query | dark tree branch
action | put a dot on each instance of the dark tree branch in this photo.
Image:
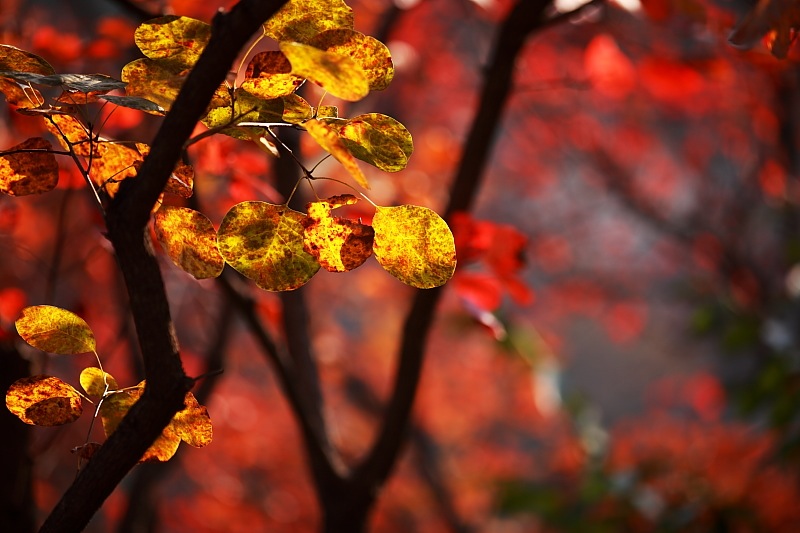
(126, 221)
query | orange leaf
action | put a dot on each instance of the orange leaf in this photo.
(44, 401)
(338, 244)
(24, 173)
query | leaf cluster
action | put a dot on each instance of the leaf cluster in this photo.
(48, 401)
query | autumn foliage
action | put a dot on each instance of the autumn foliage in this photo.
(591, 210)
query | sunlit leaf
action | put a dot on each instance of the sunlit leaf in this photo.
(338, 74)
(14, 59)
(192, 424)
(269, 75)
(265, 243)
(369, 53)
(251, 108)
(156, 81)
(329, 140)
(24, 97)
(190, 240)
(96, 382)
(44, 401)
(378, 140)
(415, 245)
(74, 98)
(180, 40)
(338, 244)
(135, 102)
(55, 330)
(327, 111)
(24, 173)
(301, 20)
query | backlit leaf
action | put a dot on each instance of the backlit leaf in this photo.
(378, 140)
(14, 59)
(135, 102)
(301, 20)
(368, 52)
(338, 244)
(269, 75)
(94, 381)
(338, 74)
(265, 243)
(190, 240)
(192, 424)
(329, 140)
(44, 401)
(26, 173)
(251, 108)
(414, 245)
(180, 40)
(152, 80)
(55, 330)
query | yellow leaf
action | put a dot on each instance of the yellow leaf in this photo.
(329, 140)
(96, 382)
(251, 108)
(301, 20)
(55, 330)
(192, 424)
(26, 173)
(415, 245)
(378, 140)
(369, 53)
(336, 73)
(338, 244)
(180, 40)
(190, 240)
(43, 401)
(265, 243)
(269, 75)
(156, 81)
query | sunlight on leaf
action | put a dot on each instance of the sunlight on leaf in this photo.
(265, 243)
(338, 74)
(93, 380)
(25, 173)
(180, 40)
(269, 75)
(55, 330)
(192, 424)
(338, 244)
(378, 140)
(251, 108)
(44, 401)
(155, 81)
(415, 245)
(301, 20)
(330, 141)
(369, 53)
(26, 97)
(14, 59)
(190, 240)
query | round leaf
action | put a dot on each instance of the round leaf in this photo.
(25, 173)
(180, 40)
(338, 244)
(96, 382)
(265, 243)
(329, 140)
(55, 330)
(415, 245)
(12, 58)
(158, 82)
(301, 20)
(338, 74)
(369, 53)
(269, 75)
(190, 240)
(44, 401)
(373, 145)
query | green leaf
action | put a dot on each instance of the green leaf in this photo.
(415, 245)
(156, 81)
(135, 102)
(265, 243)
(338, 74)
(44, 401)
(329, 140)
(55, 330)
(269, 75)
(96, 382)
(13, 58)
(301, 20)
(190, 240)
(369, 53)
(25, 173)
(378, 140)
(338, 244)
(178, 40)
